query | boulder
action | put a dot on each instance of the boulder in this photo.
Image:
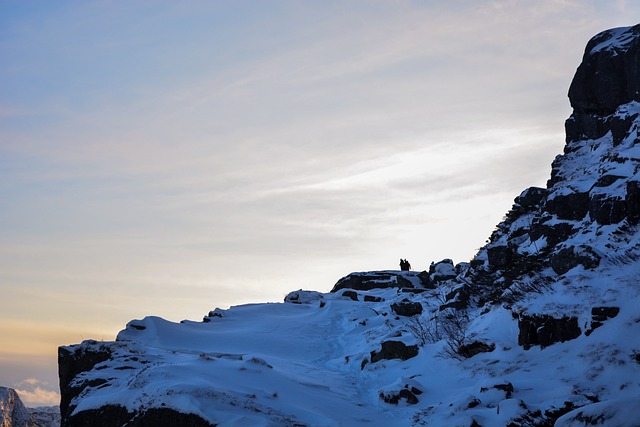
(407, 308)
(442, 270)
(372, 280)
(531, 198)
(475, 347)
(569, 257)
(544, 330)
(297, 297)
(394, 350)
(425, 279)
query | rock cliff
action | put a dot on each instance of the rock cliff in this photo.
(541, 328)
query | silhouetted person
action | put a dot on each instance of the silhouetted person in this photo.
(404, 265)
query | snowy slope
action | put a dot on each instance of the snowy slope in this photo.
(541, 328)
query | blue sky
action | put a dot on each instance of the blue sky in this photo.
(165, 158)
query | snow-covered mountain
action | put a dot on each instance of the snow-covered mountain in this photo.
(13, 413)
(541, 328)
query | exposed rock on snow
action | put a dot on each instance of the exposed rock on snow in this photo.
(546, 330)
(495, 342)
(407, 308)
(394, 350)
(365, 281)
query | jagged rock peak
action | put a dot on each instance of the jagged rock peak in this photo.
(609, 74)
(13, 413)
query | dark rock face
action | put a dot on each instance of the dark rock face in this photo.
(71, 362)
(584, 126)
(609, 74)
(372, 280)
(572, 207)
(112, 415)
(568, 258)
(605, 209)
(599, 315)
(394, 350)
(632, 200)
(554, 234)
(407, 308)
(545, 330)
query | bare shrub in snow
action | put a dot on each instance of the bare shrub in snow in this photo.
(449, 325)
(424, 330)
(453, 326)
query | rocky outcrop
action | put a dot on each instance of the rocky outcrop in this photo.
(609, 75)
(544, 330)
(75, 361)
(111, 415)
(72, 361)
(13, 413)
(377, 279)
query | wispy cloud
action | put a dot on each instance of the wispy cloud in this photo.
(35, 393)
(229, 153)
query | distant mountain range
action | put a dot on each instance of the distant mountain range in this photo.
(13, 413)
(541, 328)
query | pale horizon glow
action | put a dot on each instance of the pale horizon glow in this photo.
(163, 158)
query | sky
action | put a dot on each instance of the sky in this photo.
(167, 158)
